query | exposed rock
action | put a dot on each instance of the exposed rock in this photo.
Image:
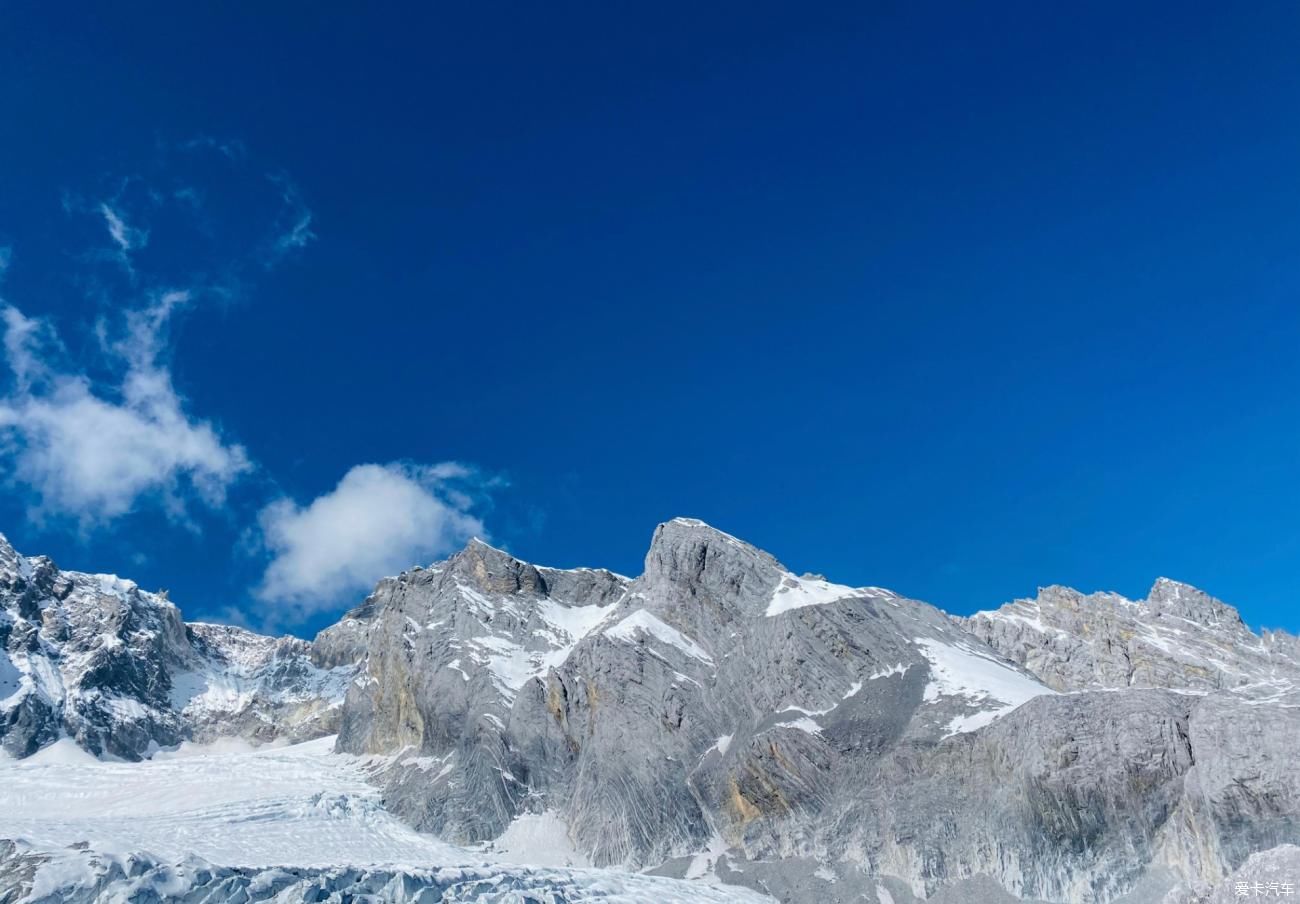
(1178, 637)
(445, 651)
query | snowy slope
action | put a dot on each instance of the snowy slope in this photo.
(961, 670)
(299, 805)
(296, 806)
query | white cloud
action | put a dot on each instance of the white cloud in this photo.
(126, 238)
(92, 453)
(379, 520)
(24, 337)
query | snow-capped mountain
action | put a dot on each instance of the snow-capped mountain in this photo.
(94, 658)
(717, 721)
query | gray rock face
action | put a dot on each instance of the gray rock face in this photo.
(724, 696)
(445, 652)
(1243, 793)
(97, 659)
(719, 715)
(1178, 637)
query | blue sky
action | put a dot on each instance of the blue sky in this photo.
(956, 301)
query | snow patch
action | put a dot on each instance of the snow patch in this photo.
(854, 688)
(796, 593)
(537, 839)
(63, 752)
(958, 671)
(642, 622)
(112, 585)
(703, 866)
(575, 622)
(10, 681)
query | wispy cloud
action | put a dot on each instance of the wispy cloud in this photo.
(231, 148)
(126, 238)
(295, 221)
(379, 520)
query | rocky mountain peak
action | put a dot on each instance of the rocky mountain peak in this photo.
(15, 578)
(701, 560)
(491, 570)
(1059, 598)
(1185, 601)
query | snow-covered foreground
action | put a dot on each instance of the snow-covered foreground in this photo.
(300, 806)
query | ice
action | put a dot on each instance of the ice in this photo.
(105, 878)
(296, 807)
(297, 804)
